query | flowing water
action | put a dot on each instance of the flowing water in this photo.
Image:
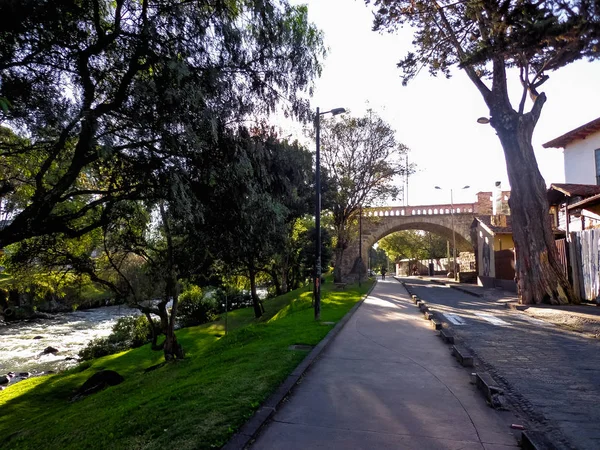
(22, 344)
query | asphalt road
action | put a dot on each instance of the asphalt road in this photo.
(552, 375)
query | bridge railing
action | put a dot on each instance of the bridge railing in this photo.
(425, 210)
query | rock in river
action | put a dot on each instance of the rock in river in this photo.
(50, 350)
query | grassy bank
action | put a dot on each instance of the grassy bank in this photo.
(195, 403)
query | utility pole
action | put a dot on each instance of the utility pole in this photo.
(431, 270)
(448, 253)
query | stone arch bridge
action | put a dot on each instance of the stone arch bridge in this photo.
(379, 222)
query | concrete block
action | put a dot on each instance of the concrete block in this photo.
(415, 299)
(446, 336)
(423, 307)
(536, 440)
(462, 355)
(486, 384)
(428, 315)
(437, 325)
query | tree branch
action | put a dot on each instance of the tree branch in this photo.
(447, 29)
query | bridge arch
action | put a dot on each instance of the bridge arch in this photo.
(380, 223)
(463, 243)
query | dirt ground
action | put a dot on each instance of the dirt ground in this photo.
(582, 318)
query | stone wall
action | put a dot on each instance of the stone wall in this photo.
(466, 262)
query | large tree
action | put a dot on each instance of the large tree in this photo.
(255, 201)
(109, 92)
(360, 157)
(488, 40)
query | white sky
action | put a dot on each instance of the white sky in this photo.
(436, 117)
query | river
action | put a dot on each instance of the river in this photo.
(20, 351)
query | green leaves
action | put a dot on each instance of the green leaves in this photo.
(4, 104)
(542, 36)
(411, 244)
(129, 103)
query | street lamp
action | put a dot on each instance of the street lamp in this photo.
(317, 286)
(360, 261)
(454, 271)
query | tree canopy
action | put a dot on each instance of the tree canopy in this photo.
(360, 158)
(535, 37)
(126, 155)
(108, 96)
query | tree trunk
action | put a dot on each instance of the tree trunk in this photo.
(255, 300)
(341, 246)
(284, 277)
(274, 277)
(155, 333)
(337, 270)
(540, 276)
(172, 349)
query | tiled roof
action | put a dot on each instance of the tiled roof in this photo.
(576, 190)
(578, 133)
(587, 202)
(487, 221)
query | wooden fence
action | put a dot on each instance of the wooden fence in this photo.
(561, 246)
(584, 256)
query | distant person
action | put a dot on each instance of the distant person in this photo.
(415, 270)
(383, 271)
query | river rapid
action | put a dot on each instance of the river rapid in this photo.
(22, 344)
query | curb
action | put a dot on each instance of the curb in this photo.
(453, 286)
(534, 440)
(515, 306)
(250, 429)
(466, 291)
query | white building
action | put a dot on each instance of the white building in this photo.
(581, 153)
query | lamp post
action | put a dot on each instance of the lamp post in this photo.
(454, 271)
(317, 286)
(360, 263)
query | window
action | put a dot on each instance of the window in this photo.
(597, 155)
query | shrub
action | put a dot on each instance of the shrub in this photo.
(197, 307)
(236, 299)
(133, 330)
(97, 348)
(128, 332)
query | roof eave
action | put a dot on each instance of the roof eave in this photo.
(578, 133)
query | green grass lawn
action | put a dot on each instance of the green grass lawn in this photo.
(198, 402)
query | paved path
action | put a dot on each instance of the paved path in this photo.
(387, 381)
(552, 374)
